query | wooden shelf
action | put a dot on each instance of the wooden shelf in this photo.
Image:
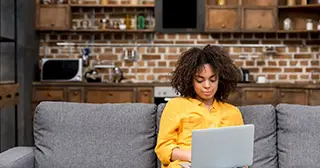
(116, 30)
(112, 6)
(316, 6)
(9, 95)
(298, 31)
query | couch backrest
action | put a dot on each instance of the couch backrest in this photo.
(95, 135)
(264, 119)
(298, 135)
(265, 138)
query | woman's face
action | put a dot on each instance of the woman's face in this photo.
(205, 83)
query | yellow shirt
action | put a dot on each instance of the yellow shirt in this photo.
(181, 116)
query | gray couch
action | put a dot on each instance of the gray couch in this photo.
(72, 135)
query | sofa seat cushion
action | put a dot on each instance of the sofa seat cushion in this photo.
(298, 136)
(95, 135)
(265, 138)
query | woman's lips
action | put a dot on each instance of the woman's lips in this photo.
(207, 93)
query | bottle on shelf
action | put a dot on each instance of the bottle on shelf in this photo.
(128, 21)
(104, 2)
(221, 2)
(304, 2)
(141, 21)
(291, 2)
(309, 25)
(318, 26)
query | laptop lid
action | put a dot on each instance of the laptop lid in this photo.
(224, 147)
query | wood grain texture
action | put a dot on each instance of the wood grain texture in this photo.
(9, 95)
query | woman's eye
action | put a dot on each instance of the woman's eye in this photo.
(199, 81)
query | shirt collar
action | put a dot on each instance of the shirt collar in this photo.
(215, 104)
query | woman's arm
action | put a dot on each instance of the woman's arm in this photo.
(168, 133)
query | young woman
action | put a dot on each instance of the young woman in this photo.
(204, 78)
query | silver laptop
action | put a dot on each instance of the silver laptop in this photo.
(225, 147)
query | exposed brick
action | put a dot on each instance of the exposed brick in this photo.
(238, 63)
(228, 41)
(160, 36)
(162, 63)
(249, 63)
(171, 36)
(184, 42)
(282, 57)
(171, 57)
(141, 70)
(315, 63)
(302, 56)
(271, 76)
(293, 63)
(272, 63)
(293, 76)
(292, 69)
(260, 63)
(183, 36)
(271, 69)
(150, 77)
(283, 77)
(162, 70)
(150, 57)
(204, 36)
(283, 63)
(164, 77)
(151, 64)
(253, 70)
(172, 63)
(313, 70)
(161, 50)
(173, 50)
(206, 42)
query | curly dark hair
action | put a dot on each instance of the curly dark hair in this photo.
(193, 60)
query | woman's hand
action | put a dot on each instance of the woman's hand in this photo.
(179, 154)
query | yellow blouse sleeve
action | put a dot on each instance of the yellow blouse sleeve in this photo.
(237, 118)
(167, 136)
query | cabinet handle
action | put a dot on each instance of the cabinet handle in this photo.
(223, 26)
(52, 25)
(9, 96)
(110, 94)
(282, 94)
(260, 95)
(49, 95)
(145, 93)
(75, 93)
(259, 26)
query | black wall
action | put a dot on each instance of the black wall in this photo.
(16, 122)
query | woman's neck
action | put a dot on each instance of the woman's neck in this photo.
(207, 102)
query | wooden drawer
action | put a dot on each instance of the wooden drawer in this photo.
(258, 19)
(293, 96)
(145, 95)
(260, 2)
(48, 94)
(110, 95)
(314, 97)
(222, 19)
(259, 96)
(75, 94)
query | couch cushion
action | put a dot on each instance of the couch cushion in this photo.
(159, 113)
(298, 135)
(264, 119)
(95, 135)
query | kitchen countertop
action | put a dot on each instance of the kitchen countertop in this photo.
(155, 84)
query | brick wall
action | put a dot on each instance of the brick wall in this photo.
(291, 63)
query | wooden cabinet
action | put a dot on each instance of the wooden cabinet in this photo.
(314, 97)
(293, 96)
(75, 94)
(258, 19)
(222, 19)
(53, 17)
(145, 95)
(110, 95)
(253, 96)
(49, 94)
(235, 98)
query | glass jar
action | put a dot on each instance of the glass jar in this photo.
(287, 24)
(309, 25)
(318, 27)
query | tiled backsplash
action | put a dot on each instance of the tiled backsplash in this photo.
(290, 64)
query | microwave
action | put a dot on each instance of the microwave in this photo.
(61, 69)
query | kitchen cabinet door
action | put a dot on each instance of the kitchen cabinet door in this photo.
(145, 95)
(110, 95)
(53, 17)
(293, 96)
(256, 19)
(222, 19)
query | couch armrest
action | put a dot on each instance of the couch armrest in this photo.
(17, 157)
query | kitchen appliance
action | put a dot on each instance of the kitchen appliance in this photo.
(243, 75)
(172, 18)
(162, 94)
(61, 69)
(93, 76)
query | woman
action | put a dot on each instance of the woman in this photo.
(204, 78)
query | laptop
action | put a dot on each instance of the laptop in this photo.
(225, 147)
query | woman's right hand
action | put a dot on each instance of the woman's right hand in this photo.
(179, 154)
